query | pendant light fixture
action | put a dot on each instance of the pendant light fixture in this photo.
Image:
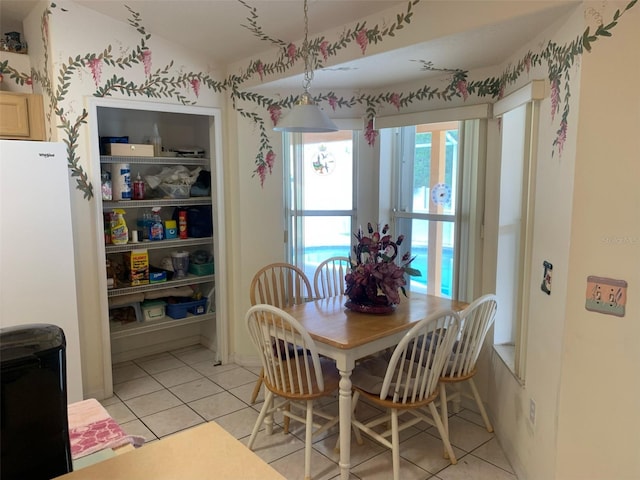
(306, 116)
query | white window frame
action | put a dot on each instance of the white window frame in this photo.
(516, 316)
(294, 213)
(469, 216)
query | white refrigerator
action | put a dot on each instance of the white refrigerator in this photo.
(37, 267)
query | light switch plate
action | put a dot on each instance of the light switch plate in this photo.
(606, 295)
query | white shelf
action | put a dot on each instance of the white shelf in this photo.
(158, 244)
(156, 202)
(188, 280)
(154, 160)
(141, 328)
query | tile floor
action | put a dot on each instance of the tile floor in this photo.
(162, 394)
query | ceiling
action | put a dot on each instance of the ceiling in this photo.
(213, 28)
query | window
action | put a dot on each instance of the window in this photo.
(320, 197)
(435, 164)
(336, 182)
(426, 198)
(519, 117)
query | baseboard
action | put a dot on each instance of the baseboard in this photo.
(144, 351)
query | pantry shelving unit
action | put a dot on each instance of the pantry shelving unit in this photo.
(178, 125)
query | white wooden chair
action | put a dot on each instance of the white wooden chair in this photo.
(328, 279)
(293, 377)
(475, 322)
(280, 285)
(407, 384)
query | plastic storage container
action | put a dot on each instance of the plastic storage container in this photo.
(201, 269)
(180, 310)
(153, 310)
(175, 191)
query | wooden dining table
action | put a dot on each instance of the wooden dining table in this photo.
(346, 336)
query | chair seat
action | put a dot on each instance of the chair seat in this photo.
(368, 375)
(330, 375)
(368, 378)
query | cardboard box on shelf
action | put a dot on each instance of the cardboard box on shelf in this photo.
(130, 149)
(137, 263)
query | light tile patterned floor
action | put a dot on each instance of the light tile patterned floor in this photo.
(160, 395)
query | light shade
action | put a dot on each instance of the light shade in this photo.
(306, 117)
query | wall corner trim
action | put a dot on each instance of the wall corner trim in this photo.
(534, 90)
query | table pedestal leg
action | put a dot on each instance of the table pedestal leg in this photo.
(345, 423)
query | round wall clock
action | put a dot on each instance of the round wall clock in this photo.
(441, 194)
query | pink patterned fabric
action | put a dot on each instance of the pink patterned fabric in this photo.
(92, 429)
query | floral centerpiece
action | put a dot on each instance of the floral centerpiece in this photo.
(375, 280)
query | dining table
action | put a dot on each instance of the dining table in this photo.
(346, 336)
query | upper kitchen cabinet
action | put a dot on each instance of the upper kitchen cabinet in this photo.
(21, 116)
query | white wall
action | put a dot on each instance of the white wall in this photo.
(531, 448)
(581, 368)
(598, 419)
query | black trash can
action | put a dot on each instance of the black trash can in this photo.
(33, 403)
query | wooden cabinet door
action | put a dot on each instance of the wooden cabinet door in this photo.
(21, 116)
(14, 115)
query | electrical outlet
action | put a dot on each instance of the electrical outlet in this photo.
(532, 411)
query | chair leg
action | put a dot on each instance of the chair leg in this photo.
(256, 389)
(354, 403)
(456, 398)
(261, 416)
(483, 412)
(395, 444)
(445, 412)
(287, 420)
(443, 434)
(307, 440)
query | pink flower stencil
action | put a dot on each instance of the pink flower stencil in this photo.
(260, 69)
(195, 85)
(291, 52)
(395, 100)
(275, 112)
(95, 64)
(324, 49)
(461, 86)
(362, 40)
(261, 171)
(333, 101)
(370, 134)
(527, 61)
(555, 97)
(146, 61)
(270, 159)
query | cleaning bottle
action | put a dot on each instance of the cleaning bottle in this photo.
(138, 188)
(119, 230)
(156, 232)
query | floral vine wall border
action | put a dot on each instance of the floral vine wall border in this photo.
(164, 83)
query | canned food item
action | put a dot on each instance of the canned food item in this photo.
(182, 223)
